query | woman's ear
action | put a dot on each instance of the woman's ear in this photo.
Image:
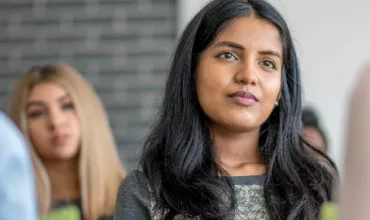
(277, 102)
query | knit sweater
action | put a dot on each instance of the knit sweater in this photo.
(135, 200)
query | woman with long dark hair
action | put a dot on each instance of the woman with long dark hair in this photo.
(227, 143)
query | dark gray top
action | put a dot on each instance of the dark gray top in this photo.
(134, 200)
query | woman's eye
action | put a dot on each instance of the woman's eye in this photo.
(68, 106)
(35, 114)
(227, 56)
(269, 64)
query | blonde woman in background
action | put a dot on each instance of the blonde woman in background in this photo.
(73, 150)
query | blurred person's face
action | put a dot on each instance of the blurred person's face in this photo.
(314, 137)
(53, 125)
(239, 75)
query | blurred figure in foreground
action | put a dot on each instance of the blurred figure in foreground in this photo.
(355, 191)
(73, 150)
(312, 129)
(17, 189)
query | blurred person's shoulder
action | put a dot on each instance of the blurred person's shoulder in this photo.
(18, 200)
(6, 125)
(10, 135)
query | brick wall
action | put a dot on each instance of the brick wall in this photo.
(121, 46)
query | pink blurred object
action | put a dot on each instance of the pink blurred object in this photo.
(355, 189)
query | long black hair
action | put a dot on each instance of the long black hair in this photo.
(178, 159)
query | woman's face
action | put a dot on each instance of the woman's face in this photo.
(53, 125)
(238, 77)
(314, 137)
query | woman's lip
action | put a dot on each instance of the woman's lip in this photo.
(245, 95)
(244, 100)
(60, 139)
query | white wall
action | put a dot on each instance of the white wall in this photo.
(186, 10)
(332, 39)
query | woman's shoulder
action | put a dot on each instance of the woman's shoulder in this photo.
(134, 179)
(106, 217)
(134, 184)
(133, 198)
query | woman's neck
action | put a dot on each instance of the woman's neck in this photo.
(64, 178)
(238, 153)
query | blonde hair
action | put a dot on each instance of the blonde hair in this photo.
(100, 168)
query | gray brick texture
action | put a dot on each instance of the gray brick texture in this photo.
(122, 47)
